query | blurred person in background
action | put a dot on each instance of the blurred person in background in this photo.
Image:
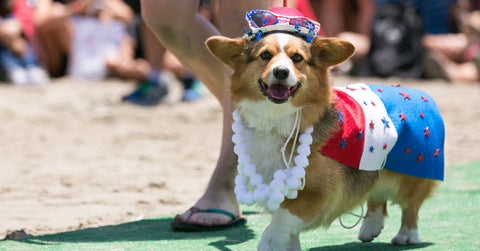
(347, 19)
(455, 57)
(70, 31)
(152, 62)
(18, 59)
(389, 35)
(95, 39)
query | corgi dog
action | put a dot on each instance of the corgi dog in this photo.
(347, 154)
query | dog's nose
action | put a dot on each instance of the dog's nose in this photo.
(280, 72)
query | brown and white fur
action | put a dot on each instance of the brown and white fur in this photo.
(331, 187)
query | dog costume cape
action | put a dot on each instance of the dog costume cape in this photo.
(397, 128)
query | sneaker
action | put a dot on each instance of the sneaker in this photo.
(147, 94)
(18, 76)
(37, 76)
(192, 90)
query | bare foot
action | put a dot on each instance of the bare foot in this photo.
(224, 200)
(128, 68)
(466, 72)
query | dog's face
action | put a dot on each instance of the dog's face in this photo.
(280, 67)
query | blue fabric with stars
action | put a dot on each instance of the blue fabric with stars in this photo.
(419, 148)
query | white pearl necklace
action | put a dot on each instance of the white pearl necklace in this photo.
(249, 185)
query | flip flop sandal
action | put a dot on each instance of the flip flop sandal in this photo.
(177, 225)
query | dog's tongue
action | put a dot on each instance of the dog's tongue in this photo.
(279, 91)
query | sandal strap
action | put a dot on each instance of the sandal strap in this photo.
(212, 210)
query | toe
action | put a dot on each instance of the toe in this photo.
(185, 217)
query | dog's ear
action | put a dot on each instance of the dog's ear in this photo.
(330, 51)
(226, 49)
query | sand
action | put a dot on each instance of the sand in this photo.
(73, 156)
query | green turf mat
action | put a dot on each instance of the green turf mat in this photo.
(449, 221)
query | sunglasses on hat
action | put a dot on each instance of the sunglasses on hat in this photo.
(258, 19)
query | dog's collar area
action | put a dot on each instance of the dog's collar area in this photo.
(278, 93)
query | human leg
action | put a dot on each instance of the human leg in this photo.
(146, 69)
(184, 35)
(438, 65)
(37, 76)
(330, 15)
(467, 72)
(15, 72)
(220, 188)
(153, 50)
(54, 37)
(231, 22)
(188, 80)
(150, 69)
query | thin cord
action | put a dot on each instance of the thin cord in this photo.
(356, 223)
(284, 147)
(296, 137)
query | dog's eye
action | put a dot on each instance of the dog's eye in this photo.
(266, 55)
(297, 58)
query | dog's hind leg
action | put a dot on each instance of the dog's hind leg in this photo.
(408, 234)
(411, 196)
(373, 223)
(282, 233)
(411, 202)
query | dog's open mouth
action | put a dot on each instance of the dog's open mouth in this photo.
(278, 93)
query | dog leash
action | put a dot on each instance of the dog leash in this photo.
(360, 217)
(295, 129)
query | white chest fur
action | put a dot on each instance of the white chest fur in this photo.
(265, 151)
(268, 117)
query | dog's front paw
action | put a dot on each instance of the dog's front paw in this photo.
(406, 237)
(371, 227)
(369, 231)
(273, 240)
(269, 245)
(274, 244)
